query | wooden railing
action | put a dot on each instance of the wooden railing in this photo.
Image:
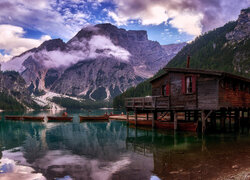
(147, 102)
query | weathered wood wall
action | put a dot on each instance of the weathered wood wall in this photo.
(178, 99)
(207, 95)
(230, 97)
(157, 85)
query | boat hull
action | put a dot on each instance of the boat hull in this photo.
(14, 118)
(30, 118)
(59, 119)
(182, 126)
(141, 122)
(93, 118)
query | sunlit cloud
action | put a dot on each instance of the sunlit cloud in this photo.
(13, 42)
(192, 17)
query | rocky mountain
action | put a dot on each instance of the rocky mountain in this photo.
(98, 63)
(226, 48)
(14, 93)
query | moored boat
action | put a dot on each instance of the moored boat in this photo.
(94, 118)
(141, 122)
(33, 118)
(183, 126)
(13, 117)
(59, 119)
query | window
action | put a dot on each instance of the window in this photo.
(165, 90)
(189, 85)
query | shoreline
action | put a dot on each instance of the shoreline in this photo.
(241, 174)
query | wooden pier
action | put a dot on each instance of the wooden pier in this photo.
(204, 97)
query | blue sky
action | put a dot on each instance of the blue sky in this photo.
(25, 24)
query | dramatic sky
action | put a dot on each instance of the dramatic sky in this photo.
(25, 24)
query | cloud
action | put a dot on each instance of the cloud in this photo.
(77, 50)
(106, 48)
(190, 16)
(13, 42)
(97, 46)
(48, 16)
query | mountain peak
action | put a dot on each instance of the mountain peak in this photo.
(242, 29)
(111, 31)
(51, 45)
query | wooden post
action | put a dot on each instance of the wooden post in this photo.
(230, 119)
(147, 116)
(171, 116)
(175, 120)
(236, 120)
(248, 119)
(195, 116)
(203, 121)
(222, 120)
(213, 120)
(135, 118)
(127, 117)
(242, 121)
(154, 119)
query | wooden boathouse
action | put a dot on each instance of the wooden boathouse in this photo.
(201, 95)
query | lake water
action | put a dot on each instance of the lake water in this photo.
(100, 151)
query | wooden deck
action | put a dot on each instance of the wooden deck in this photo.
(147, 103)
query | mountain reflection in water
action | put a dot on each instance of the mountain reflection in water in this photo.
(76, 150)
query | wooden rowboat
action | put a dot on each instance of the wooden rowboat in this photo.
(141, 122)
(33, 118)
(182, 126)
(94, 118)
(59, 119)
(188, 126)
(13, 118)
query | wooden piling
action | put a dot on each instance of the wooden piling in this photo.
(230, 120)
(236, 120)
(203, 121)
(213, 121)
(171, 116)
(136, 117)
(175, 120)
(127, 117)
(196, 116)
(222, 120)
(248, 119)
(154, 119)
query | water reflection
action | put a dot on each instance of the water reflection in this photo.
(113, 151)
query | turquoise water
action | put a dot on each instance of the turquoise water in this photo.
(111, 150)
